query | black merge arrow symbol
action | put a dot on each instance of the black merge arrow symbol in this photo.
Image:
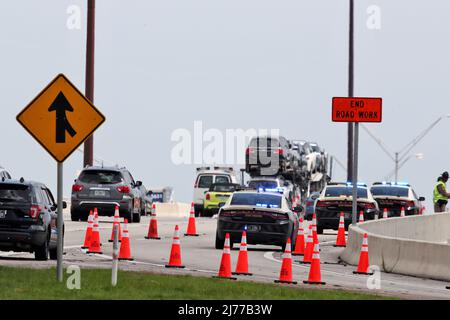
(60, 105)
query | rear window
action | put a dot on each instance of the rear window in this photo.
(345, 191)
(390, 191)
(263, 184)
(222, 179)
(223, 187)
(205, 181)
(14, 193)
(315, 148)
(264, 142)
(100, 177)
(256, 199)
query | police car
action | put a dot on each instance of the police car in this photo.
(337, 197)
(265, 214)
(394, 196)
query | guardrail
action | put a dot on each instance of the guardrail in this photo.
(412, 245)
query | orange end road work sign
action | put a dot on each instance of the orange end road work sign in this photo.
(357, 109)
(60, 118)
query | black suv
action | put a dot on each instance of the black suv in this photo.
(28, 218)
(105, 188)
(269, 155)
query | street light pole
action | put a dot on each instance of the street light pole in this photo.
(396, 167)
(350, 92)
(88, 157)
(402, 156)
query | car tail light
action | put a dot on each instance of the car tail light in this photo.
(322, 204)
(124, 189)
(35, 210)
(279, 151)
(280, 216)
(224, 213)
(366, 205)
(208, 196)
(409, 204)
(309, 203)
(77, 188)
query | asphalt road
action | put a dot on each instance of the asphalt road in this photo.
(200, 258)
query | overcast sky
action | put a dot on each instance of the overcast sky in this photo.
(263, 64)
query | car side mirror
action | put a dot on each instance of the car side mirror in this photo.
(298, 209)
(286, 184)
(422, 199)
(138, 183)
(64, 204)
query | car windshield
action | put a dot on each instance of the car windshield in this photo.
(262, 200)
(223, 187)
(345, 191)
(100, 177)
(14, 193)
(263, 184)
(390, 191)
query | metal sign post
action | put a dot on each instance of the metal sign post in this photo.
(60, 219)
(355, 174)
(355, 110)
(115, 260)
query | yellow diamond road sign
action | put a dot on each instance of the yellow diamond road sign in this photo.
(60, 118)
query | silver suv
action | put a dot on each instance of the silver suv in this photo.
(105, 188)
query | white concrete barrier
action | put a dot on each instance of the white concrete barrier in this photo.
(413, 245)
(172, 209)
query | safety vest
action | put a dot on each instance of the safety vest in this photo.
(436, 195)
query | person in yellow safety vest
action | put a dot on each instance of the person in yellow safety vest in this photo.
(440, 195)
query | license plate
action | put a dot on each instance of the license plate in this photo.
(2, 214)
(99, 193)
(253, 228)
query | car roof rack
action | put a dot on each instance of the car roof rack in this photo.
(359, 184)
(203, 168)
(391, 183)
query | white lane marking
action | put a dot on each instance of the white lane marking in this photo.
(269, 256)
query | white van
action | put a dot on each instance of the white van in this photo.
(206, 176)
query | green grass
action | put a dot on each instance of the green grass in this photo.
(21, 283)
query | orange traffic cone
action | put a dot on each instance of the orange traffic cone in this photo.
(88, 235)
(94, 246)
(153, 226)
(361, 217)
(314, 271)
(125, 253)
(402, 212)
(242, 263)
(363, 265)
(340, 240)
(191, 229)
(116, 222)
(225, 262)
(299, 249)
(314, 228)
(385, 213)
(307, 257)
(286, 266)
(175, 252)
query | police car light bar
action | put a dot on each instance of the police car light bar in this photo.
(275, 190)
